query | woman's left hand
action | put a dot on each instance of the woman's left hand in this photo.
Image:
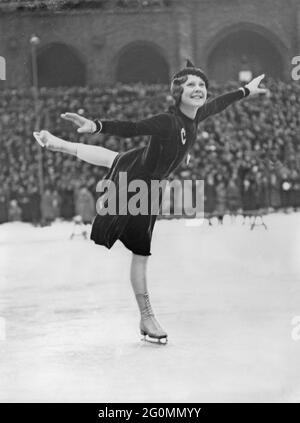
(253, 86)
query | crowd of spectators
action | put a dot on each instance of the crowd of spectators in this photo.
(71, 4)
(248, 155)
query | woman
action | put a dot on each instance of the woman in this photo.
(172, 136)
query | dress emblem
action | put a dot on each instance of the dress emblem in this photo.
(183, 136)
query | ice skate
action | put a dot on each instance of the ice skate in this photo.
(149, 326)
(45, 139)
(38, 138)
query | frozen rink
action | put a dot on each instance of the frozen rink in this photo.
(225, 295)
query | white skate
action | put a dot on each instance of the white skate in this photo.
(53, 143)
(149, 326)
(38, 138)
(152, 331)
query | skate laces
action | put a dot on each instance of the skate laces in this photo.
(148, 312)
(148, 318)
(146, 309)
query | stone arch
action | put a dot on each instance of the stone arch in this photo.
(58, 65)
(245, 45)
(141, 61)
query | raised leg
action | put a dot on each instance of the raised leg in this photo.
(93, 154)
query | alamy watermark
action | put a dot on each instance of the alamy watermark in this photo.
(295, 322)
(138, 197)
(295, 74)
(2, 68)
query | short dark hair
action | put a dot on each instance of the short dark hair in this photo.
(192, 71)
(177, 88)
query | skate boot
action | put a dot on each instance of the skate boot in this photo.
(149, 326)
(42, 138)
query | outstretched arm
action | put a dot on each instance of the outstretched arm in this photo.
(160, 125)
(220, 103)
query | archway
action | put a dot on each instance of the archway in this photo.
(243, 49)
(142, 62)
(59, 65)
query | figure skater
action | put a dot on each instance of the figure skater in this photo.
(172, 135)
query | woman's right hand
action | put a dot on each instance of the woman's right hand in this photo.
(86, 126)
(253, 86)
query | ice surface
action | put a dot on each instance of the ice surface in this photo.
(226, 295)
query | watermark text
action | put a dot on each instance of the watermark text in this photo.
(296, 69)
(138, 197)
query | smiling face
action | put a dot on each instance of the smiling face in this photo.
(194, 92)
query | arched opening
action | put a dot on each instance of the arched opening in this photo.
(244, 49)
(142, 62)
(59, 65)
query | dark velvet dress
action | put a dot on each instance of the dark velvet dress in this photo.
(172, 136)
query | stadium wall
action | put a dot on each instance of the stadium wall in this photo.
(187, 29)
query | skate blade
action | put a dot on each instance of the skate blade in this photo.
(38, 138)
(157, 341)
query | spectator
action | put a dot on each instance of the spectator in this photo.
(261, 134)
(3, 206)
(67, 204)
(210, 197)
(47, 207)
(14, 211)
(24, 202)
(220, 200)
(56, 199)
(85, 205)
(35, 207)
(275, 200)
(234, 201)
(249, 196)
